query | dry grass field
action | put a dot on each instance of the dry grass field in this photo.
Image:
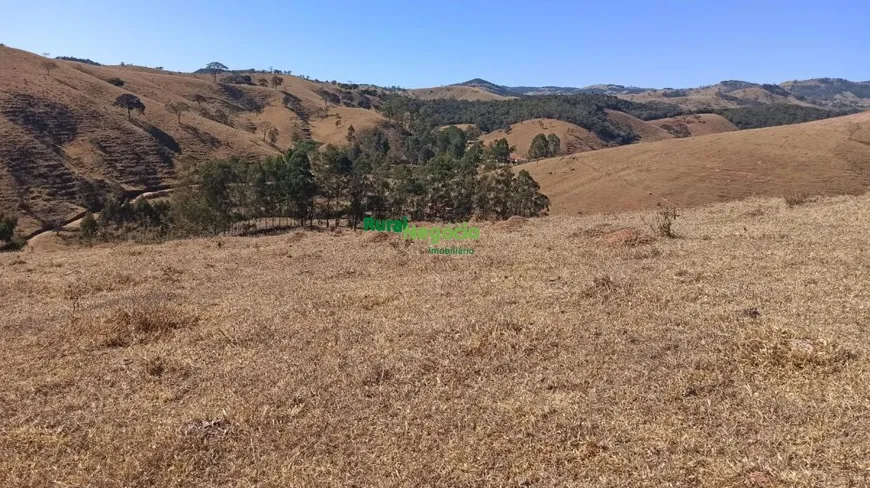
(821, 157)
(573, 137)
(458, 92)
(333, 129)
(697, 124)
(646, 131)
(567, 351)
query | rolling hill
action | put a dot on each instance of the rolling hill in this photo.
(645, 131)
(829, 93)
(823, 157)
(695, 125)
(62, 142)
(573, 137)
(60, 136)
(456, 92)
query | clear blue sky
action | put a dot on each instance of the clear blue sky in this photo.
(653, 43)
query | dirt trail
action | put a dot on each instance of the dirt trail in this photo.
(43, 239)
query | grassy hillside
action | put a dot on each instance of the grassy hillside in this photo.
(822, 157)
(829, 93)
(695, 125)
(60, 135)
(588, 354)
(644, 131)
(456, 92)
(573, 137)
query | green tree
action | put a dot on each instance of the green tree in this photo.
(130, 102)
(498, 152)
(452, 141)
(500, 187)
(215, 68)
(89, 226)
(7, 227)
(207, 199)
(525, 198)
(472, 132)
(554, 145)
(540, 148)
(301, 186)
(332, 178)
(276, 81)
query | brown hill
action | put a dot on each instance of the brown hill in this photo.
(645, 130)
(695, 125)
(458, 92)
(721, 95)
(60, 134)
(817, 158)
(573, 137)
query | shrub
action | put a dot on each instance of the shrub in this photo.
(115, 81)
(237, 79)
(89, 226)
(796, 199)
(7, 227)
(141, 322)
(663, 225)
(679, 130)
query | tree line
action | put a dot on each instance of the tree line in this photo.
(586, 110)
(331, 185)
(773, 115)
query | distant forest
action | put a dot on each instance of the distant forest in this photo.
(774, 114)
(585, 110)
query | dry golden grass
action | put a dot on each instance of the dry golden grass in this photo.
(333, 128)
(708, 97)
(698, 124)
(646, 131)
(817, 158)
(455, 91)
(573, 137)
(58, 130)
(567, 351)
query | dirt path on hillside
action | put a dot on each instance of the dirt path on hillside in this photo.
(47, 239)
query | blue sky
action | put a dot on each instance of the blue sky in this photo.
(653, 43)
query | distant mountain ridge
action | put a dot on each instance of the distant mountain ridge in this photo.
(829, 93)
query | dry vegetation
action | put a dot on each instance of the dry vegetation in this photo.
(695, 125)
(573, 137)
(59, 131)
(567, 351)
(646, 131)
(818, 158)
(455, 91)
